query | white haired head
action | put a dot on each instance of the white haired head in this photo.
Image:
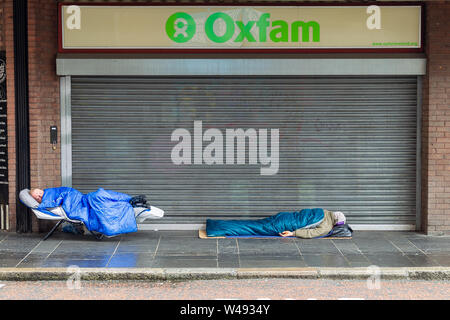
(339, 217)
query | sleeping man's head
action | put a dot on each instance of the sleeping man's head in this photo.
(37, 194)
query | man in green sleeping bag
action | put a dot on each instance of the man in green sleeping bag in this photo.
(304, 223)
(331, 218)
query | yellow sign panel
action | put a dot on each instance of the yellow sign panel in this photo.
(252, 27)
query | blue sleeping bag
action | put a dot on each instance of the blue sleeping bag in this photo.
(105, 211)
(271, 226)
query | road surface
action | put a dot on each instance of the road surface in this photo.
(245, 289)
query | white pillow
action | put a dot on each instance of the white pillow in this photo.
(27, 199)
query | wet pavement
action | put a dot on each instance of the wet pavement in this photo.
(184, 249)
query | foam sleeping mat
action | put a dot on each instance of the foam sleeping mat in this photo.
(202, 235)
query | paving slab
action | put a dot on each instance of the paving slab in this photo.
(184, 250)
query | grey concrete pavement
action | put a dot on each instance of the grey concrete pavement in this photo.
(183, 255)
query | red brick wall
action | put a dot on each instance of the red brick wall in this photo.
(43, 95)
(436, 122)
(43, 99)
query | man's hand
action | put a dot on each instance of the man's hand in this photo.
(286, 234)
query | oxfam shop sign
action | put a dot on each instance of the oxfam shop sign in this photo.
(181, 27)
(150, 27)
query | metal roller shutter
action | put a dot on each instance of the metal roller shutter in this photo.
(346, 143)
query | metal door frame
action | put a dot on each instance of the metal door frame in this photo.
(172, 67)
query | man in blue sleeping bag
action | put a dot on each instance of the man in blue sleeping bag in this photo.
(306, 223)
(104, 211)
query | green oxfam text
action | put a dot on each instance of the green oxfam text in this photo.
(181, 27)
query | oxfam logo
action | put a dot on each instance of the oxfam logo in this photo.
(180, 27)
